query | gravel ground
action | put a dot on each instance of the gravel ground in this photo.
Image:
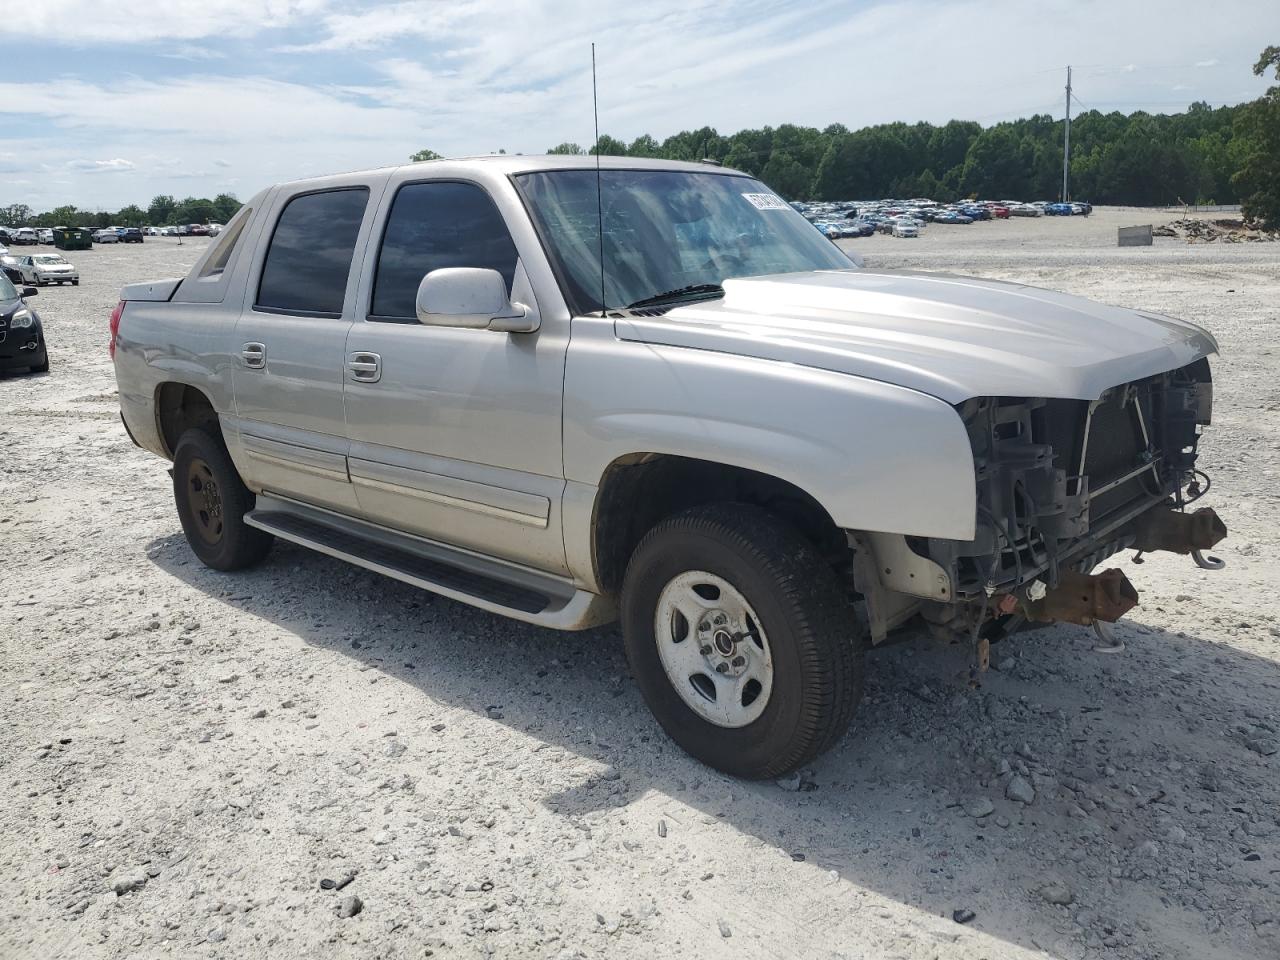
(185, 756)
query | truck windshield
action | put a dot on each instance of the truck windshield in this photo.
(668, 234)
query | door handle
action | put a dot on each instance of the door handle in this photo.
(254, 355)
(365, 367)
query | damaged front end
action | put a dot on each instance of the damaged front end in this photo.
(1061, 486)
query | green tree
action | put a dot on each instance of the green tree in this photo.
(568, 149)
(225, 206)
(609, 147)
(160, 212)
(424, 155)
(195, 210)
(1258, 179)
(131, 216)
(644, 146)
(16, 215)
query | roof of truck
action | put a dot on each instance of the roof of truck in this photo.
(507, 164)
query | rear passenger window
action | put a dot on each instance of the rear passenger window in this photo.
(434, 225)
(310, 254)
(226, 244)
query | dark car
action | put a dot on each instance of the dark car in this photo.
(21, 336)
(130, 235)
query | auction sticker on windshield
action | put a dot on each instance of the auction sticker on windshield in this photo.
(766, 201)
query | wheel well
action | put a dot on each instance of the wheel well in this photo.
(640, 490)
(180, 407)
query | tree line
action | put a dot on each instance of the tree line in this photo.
(1139, 158)
(163, 211)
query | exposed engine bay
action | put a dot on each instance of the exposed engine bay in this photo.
(1061, 486)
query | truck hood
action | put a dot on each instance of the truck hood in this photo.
(947, 336)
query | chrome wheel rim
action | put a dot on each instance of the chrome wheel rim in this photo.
(714, 649)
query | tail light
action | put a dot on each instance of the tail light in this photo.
(115, 328)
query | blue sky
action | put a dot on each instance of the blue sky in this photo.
(106, 102)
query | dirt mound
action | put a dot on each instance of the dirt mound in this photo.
(1208, 231)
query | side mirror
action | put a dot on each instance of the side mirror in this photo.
(29, 292)
(471, 297)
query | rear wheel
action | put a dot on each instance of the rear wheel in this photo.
(212, 501)
(742, 639)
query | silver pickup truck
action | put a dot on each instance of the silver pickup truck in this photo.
(654, 392)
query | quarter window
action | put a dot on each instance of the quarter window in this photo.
(309, 259)
(434, 225)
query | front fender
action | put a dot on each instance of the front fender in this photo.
(876, 456)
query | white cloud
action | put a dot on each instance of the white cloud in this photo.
(1206, 63)
(138, 21)
(380, 25)
(118, 165)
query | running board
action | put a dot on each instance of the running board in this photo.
(460, 575)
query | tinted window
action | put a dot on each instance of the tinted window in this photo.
(310, 254)
(434, 225)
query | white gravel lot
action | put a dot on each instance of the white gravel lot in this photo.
(185, 755)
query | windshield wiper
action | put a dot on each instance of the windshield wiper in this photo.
(679, 293)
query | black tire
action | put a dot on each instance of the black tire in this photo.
(43, 367)
(212, 501)
(75, 283)
(816, 639)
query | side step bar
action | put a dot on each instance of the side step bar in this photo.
(488, 584)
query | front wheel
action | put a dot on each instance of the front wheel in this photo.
(212, 501)
(745, 645)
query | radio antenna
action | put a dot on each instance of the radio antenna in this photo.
(595, 110)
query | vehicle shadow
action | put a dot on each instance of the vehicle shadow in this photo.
(1120, 750)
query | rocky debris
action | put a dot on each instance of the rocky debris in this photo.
(725, 932)
(1056, 893)
(349, 906)
(963, 916)
(129, 882)
(1195, 230)
(982, 807)
(1263, 745)
(1020, 790)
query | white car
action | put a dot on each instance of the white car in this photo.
(106, 235)
(42, 268)
(45, 234)
(906, 228)
(24, 235)
(9, 265)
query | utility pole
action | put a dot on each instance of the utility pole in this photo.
(1066, 141)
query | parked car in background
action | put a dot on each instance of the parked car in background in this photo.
(197, 230)
(42, 268)
(951, 216)
(9, 264)
(999, 211)
(25, 235)
(906, 228)
(21, 335)
(130, 235)
(215, 229)
(45, 234)
(106, 235)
